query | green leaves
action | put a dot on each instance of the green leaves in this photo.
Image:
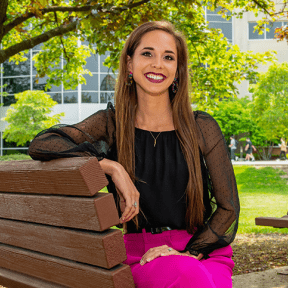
(270, 101)
(29, 116)
(215, 65)
(234, 118)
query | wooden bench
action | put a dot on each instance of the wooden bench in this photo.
(55, 226)
(273, 221)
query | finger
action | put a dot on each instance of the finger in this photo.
(152, 254)
(133, 211)
(166, 251)
(136, 209)
(129, 209)
(200, 256)
(146, 256)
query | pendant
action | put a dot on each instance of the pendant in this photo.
(154, 142)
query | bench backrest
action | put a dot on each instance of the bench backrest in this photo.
(55, 226)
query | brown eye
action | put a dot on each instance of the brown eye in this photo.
(147, 54)
(168, 57)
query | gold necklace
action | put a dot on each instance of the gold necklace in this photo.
(155, 138)
(151, 135)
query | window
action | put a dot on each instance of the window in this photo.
(272, 27)
(218, 22)
(225, 27)
(254, 35)
(266, 34)
(99, 87)
(22, 69)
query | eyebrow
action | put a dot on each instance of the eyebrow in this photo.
(151, 48)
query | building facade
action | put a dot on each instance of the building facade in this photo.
(247, 40)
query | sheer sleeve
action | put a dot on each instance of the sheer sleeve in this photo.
(92, 137)
(222, 224)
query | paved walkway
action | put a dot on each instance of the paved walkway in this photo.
(262, 163)
(273, 278)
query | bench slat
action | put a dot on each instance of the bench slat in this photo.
(96, 213)
(64, 272)
(105, 249)
(272, 221)
(12, 279)
(81, 176)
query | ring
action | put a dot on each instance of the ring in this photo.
(169, 249)
(135, 204)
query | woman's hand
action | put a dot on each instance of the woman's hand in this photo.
(125, 188)
(164, 250)
(128, 193)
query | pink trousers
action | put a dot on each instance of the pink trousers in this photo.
(175, 270)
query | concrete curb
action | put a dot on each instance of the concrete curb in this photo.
(261, 163)
(266, 279)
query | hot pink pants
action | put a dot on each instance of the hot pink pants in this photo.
(175, 270)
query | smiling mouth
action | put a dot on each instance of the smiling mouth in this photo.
(155, 78)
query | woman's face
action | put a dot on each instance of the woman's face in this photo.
(154, 63)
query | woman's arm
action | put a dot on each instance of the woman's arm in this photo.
(221, 228)
(91, 137)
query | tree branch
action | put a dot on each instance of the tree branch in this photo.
(3, 10)
(28, 44)
(8, 27)
(259, 5)
(3, 16)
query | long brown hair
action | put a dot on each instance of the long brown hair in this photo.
(183, 119)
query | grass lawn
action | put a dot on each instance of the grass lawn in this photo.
(15, 157)
(262, 192)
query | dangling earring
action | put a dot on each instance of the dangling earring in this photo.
(129, 79)
(175, 85)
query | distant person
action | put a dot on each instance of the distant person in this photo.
(248, 148)
(283, 148)
(233, 147)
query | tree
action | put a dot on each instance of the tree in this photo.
(2, 93)
(215, 64)
(234, 118)
(57, 24)
(270, 101)
(29, 116)
(272, 11)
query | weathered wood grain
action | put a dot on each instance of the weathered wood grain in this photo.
(272, 221)
(96, 213)
(64, 272)
(104, 249)
(81, 176)
(12, 279)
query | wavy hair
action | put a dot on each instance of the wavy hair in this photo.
(183, 119)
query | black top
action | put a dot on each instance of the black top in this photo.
(164, 170)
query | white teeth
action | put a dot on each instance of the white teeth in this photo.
(155, 77)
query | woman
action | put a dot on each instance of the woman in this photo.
(168, 168)
(283, 149)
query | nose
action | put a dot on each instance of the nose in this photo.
(157, 62)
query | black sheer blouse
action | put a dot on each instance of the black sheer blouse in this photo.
(163, 171)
